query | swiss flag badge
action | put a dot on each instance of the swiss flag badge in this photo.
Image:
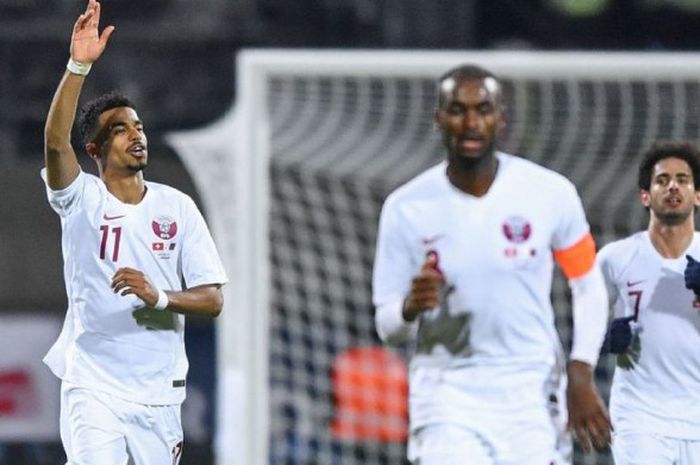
(158, 246)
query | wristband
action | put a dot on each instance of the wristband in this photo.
(78, 68)
(163, 301)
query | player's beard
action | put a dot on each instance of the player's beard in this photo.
(672, 218)
(140, 166)
(468, 162)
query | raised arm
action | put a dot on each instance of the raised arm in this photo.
(86, 47)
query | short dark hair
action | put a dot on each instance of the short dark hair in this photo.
(684, 150)
(467, 71)
(464, 72)
(91, 111)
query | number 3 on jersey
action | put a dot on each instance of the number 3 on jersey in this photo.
(106, 231)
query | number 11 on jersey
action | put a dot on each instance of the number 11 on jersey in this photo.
(117, 233)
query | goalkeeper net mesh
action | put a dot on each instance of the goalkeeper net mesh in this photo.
(333, 134)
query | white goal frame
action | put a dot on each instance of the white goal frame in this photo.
(232, 179)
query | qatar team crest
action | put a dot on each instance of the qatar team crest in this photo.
(517, 229)
(164, 227)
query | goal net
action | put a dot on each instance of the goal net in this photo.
(292, 180)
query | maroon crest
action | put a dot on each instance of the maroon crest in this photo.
(517, 229)
(164, 227)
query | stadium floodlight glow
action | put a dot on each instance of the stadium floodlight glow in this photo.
(293, 177)
(580, 8)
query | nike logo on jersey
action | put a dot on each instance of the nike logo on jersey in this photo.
(110, 218)
(634, 283)
(432, 239)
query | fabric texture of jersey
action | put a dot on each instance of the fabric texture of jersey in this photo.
(493, 344)
(633, 448)
(530, 443)
(111, 342)
(656, 385)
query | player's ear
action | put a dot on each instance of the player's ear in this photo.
(645, 198)
(499, 112)
(501, 119)
(436, 119)
(92, 150)
(697, 198)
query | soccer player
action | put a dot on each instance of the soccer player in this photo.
(464, 265)
(654, 282)
(137, 257)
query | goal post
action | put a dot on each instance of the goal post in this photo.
(292, 179)
(233, 187)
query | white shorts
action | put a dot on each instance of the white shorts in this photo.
(518, 443)
(99, 428)
(631, 448)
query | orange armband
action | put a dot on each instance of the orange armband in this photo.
(578, 259)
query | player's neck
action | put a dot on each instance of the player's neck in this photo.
(474, 177)
(128, 189)
(671, 241)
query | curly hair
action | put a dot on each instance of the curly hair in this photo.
(91, 111)
(684, 150)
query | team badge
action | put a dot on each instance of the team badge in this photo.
(164, 227)
(517, 229)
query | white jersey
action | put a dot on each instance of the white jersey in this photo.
(111, 342)
(659, 391)
(493, 344)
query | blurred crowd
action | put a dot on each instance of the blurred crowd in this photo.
(176, 56)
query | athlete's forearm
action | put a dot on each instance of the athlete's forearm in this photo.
(86, 46)
(61, 162)
(590, 314)
(206, 301)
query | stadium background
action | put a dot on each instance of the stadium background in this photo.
(175, 58)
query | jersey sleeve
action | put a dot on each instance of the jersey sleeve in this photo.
(575, 252)
(391, 277)
(572, 243)
(66, 200)
(201, 263)
(589, 302)
(606, 261)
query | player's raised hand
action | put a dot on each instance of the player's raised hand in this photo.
(588, 417)
(130, 281)
(86, 43)
(425, 289)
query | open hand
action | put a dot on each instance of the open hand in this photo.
(588, 417)
(86, 43)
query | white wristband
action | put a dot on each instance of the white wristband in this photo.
(163, 301)
(77, 67)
